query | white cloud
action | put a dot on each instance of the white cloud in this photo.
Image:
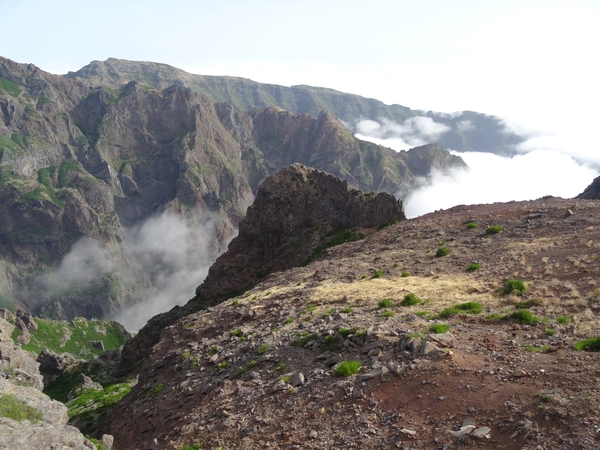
(491, 178)
(413, 132)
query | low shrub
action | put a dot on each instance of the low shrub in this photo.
(410, 299)
(590, 345)
(473, 266)
(405, 274)
(472, 225)
(378, 274)
(442, 251)
(347, 331)
(438, 328)
(262, 349)
(517, 287)
(462, 308)
(530, 303)
(347, 368)
(524, 317)
(494, 229)
(331, 343)
(386, 303)
(388, 314)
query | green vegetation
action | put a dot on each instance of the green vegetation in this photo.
(543, 349)
(462, 308)
(473, 266)
(347, 331)
(15, 409)
(472, 225)
(251, 364)
(348, 310)
(309, 308)
(262, 349)
(43, 101)
(282, 367)
(212, 350)
(442, 251)
(288, 320)
(53, 335)
(529, 303)
(590, 345)
(514, 287)
(222, 365)
(158, 389)
(410, 299)
(236, 332)
(385, 303)
(405, 273)
(524, 317)
(337, 237)
(196, 446)
(347, 368)
(90, 400)
(305, 339)
(563, 319)
(6, 174)
(286, 378)
(378, 274)
(9, 87)
(331, 343)
(550, 331)
(388, 314)
(387, 224)
(494, 229)
(438, 328)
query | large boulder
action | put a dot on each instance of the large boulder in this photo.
(592, 191)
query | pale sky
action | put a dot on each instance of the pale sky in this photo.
(533, 63)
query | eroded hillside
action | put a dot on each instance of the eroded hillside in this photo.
(463, 361)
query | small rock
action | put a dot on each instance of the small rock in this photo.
(482, 432)
(107, 441)
(463, 431)
(297, 379)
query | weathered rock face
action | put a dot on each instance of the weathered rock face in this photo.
(592, 191)
(293, 211)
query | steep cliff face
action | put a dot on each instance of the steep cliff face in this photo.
(80, 161)
(294, 212)
(592, 191)
(466, 131)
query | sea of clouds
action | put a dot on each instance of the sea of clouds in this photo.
(546, 164)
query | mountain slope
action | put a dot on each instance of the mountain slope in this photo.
(90, 165)
(266, 368)
(466, 131)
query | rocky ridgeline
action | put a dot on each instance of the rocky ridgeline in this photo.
(20, 378)
(592, 191)
(294, 212)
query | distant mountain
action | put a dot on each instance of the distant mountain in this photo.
(84, 158)
(467, 131)
(592, 191)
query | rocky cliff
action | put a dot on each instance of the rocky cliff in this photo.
(297, 213)
(592, 191)
(44, 424)
(88, 164)
(466, 131)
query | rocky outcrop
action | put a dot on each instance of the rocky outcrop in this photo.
(20, 378)
(592, 191)
(294, 211)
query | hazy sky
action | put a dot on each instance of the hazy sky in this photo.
(534, 63)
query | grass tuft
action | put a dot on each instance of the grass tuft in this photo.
(347, 368)
(524, 317)
(385, 303)
(410, 299)
(438, 328)
(442, 251)
(514, 287)
(16, 409)
(494, 229)
(590, 345)
(462, 308)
